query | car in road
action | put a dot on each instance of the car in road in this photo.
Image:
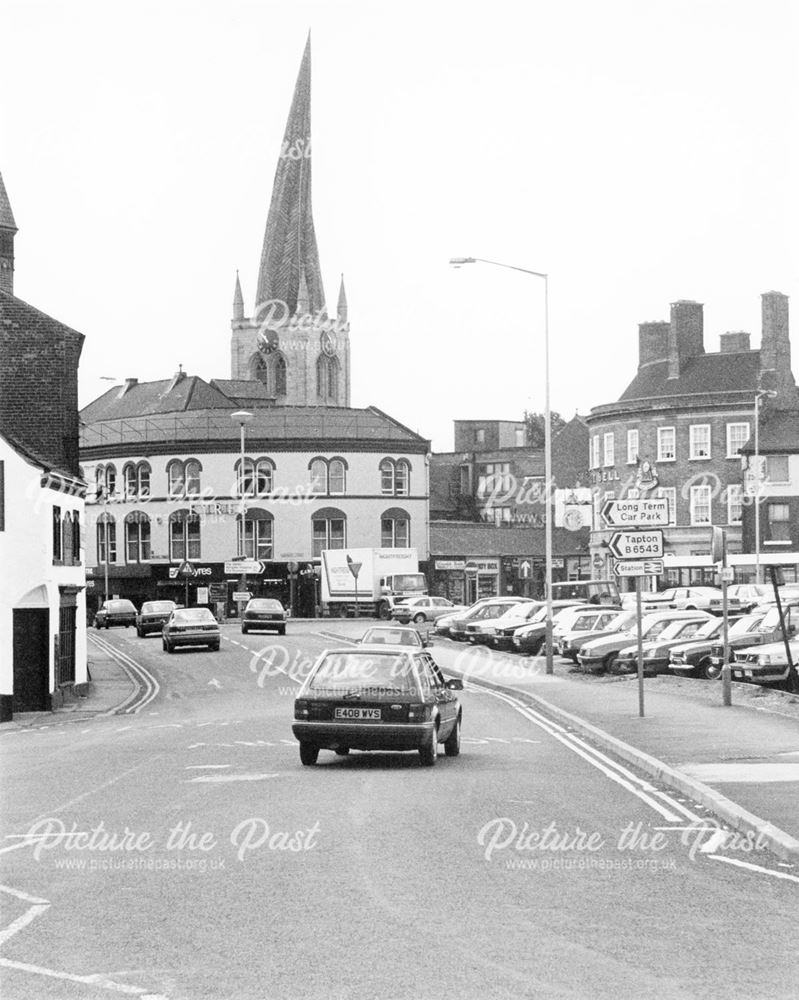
(695, 658)
(399, 635)
(486, 630)
(492, 607)
(115, 612)
(530, 638)
(599, 655)
(377, 698)
(689, 599)
(656, 650)
(264, 613)
(423, 609)
(152, 616)
(590, 625)
(190, 627)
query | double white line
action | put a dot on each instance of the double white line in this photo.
(147, 687)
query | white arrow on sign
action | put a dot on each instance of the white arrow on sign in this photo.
(638, 513)
(246, 567)
(637, 544)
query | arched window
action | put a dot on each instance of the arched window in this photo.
(318, 469)
(184, 535)
(395, 528)
(75, 538)
(336, 476)
(193, 470)
(271, 371)
(143, 479)
(327, 379)
(137, 537)
(66, 538)
(105, 478)
(184, 477)
(328, 475)
(106, 539)
(129, 479)
(257, 541)
(395, 477)
(258, 477)
(329, 526)
(175, 477)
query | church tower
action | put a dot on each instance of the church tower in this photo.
(290, 343)
(8, 229)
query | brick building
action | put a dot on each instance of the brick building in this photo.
(678, 429)
(42, 598)
(488, 510)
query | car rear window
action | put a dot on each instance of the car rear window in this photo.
(119, 606)
(156, 607)
(193, 615)
(264, 604)
(349, 670)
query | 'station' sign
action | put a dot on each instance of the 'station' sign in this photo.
(637, 544)
(637, 513)
(642, 567)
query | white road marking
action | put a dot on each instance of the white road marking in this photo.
(97, 979)
(754, 868)
(137, 673)
(230, 777)
(214, 683)
(22, 895)
(16, 925)
(197, 767)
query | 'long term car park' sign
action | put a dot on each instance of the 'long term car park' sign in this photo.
(637, 544)
(638, 513)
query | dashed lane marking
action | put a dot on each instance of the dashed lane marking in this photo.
(207, 778)
(755, 868)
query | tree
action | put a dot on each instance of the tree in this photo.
(534, 427)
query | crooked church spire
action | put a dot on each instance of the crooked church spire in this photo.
(8, 228)
(290, 259)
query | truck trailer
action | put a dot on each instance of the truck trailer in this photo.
(368, 581)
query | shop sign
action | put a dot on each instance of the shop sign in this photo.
(448, 565)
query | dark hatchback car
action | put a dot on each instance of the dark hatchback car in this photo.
(377, 698)
(264, 612)
(116, 612)
(190, 627)
(152, 616)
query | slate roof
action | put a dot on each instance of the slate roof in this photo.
(462, 538)
(701, 374)
(779, 434)
(150, 398)
(243, 391)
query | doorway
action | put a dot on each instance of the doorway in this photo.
(31, 660)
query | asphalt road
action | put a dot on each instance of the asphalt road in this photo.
(211, 864)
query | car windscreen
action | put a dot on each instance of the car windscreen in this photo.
(118, 606)
(351, 671)
(745, 624)
(391, 637)
(156, 607)
(709, 629)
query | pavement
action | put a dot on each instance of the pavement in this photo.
(739, 761)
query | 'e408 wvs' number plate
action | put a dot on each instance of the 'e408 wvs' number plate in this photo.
(357, 713)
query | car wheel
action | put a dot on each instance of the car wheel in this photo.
(214, 647)
(308, 754)
(609, 663)
(168, 647)
(343, 751)
(791, 682)
(711, 671)
(384, 612)
(419, 618)
(429, 752)
(452, 744)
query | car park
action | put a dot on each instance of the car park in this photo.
(695, 658)
(592, 625)
(530, 638)
(190, 627)
(152, 616)
(492, 608)
(424, 609)
(568, 618)
(386, 635)
(377, 698)
(264, 613)
(599, 655)
(487, 629)
(115, 612)
(768, 630)
(442, 624)
(655, 651)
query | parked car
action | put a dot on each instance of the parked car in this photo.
(593, 625)
(568, 618)
(385, 635)
(115, 612)
(492, 608)
(656, 650)
(152, 616)
(768, 630)
(767, 664)
(689, 599)
(750, 595)
(599, 655)
(695, 659)
(374, 699)
(190, 627)
(424, 609)
(442, 624)
(485, 630)
(264, 613)
(530, 638)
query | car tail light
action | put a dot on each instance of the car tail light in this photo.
(418, 713)
(301, 709)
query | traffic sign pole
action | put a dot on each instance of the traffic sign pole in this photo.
(639, 630)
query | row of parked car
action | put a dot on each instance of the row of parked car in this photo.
(598, 638)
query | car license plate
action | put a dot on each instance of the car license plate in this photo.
(747, 673)
(357, 713)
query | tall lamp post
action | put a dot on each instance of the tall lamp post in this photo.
(762, 394)
(242, 418)
(458, 262)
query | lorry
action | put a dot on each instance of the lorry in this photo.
(368, 581)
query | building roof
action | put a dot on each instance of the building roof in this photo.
(700, 375)
(289, 270)
(244, 392)
(180, 394)
(463, 538)
(6, 215)
(779, 434)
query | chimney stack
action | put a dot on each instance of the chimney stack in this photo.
(685, 334)
(775, 351)
(653, 342)
(734, 342)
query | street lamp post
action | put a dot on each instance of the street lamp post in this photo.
(242, 418)
(457, 262)
(763, 394)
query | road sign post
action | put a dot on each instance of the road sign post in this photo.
(640, 644)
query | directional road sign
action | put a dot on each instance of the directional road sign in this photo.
(639, 513)
(248, 567)
(241, 595)
(637, 544)
(638, 567)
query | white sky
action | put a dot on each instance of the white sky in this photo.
(639, 152)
